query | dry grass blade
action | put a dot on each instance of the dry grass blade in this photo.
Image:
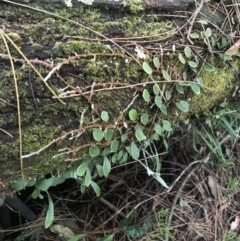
(18, 102)
(213, 186)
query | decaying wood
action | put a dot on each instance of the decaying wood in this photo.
(90, 64)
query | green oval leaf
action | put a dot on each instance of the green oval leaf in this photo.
(183, 105)
(139, 133)
(147, 68)
(168, 95)
(199, 80)
(44, 184)
(187, 52)
(94, 151)
(209, 68)
(82, 168)
(19, 184)
(124, 137)
(106, 167)
(156, 62)
(192, 64)
(156, 89)
(163, 109)
(194, 35)
(158, 101)
(88, 178)
(119, 155)
(99, 170)
(181, 58)
(106, 151)
(179, 89)
(98, 135)
(124, 158)
(114, 146)
(196, 88)
(146, 95)
(208, 32)
(108, 134)
(144, 118)
(158, 129)
(132, 114)
(166, 76)
(50, 213)
(134, 151)
(104, 116)
(96, 189)
(167, 125)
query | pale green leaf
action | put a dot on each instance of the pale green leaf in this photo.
(144, 118)
(132, 114)
(183, 105)
(98, 134)
(94, 151)
(194, 35)
(202, 21)
(181, 58)
(146, 95)
(160, 180)
(208, 32)
(156, 89)
(50, 212)
(106, 167)
(99, 170)
(88, 178)
(44, 184)
(114, 146)
(147, 68)
(167, 125)
(168, 95)
(158, 129)
(108, 134)
(209, 68)
(133, 151)
(19, 184)
(124, 158)
(166, 76)
(187, 52)
(96, 188)
(196, 88)
(139, 133)
(124, 137)
(192, 64)
(156, 62)
(158, 101)
(199, 80)
(104, 116)
(163, 109)
(119, 155)
(82, 168)
(179, 89)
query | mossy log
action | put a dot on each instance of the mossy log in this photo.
(88, 63)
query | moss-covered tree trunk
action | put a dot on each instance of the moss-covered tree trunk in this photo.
(73, 65)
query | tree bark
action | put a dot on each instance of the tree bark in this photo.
(88, 64)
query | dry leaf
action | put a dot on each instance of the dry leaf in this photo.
(213, 186)
(235, 224)
(234, 49)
